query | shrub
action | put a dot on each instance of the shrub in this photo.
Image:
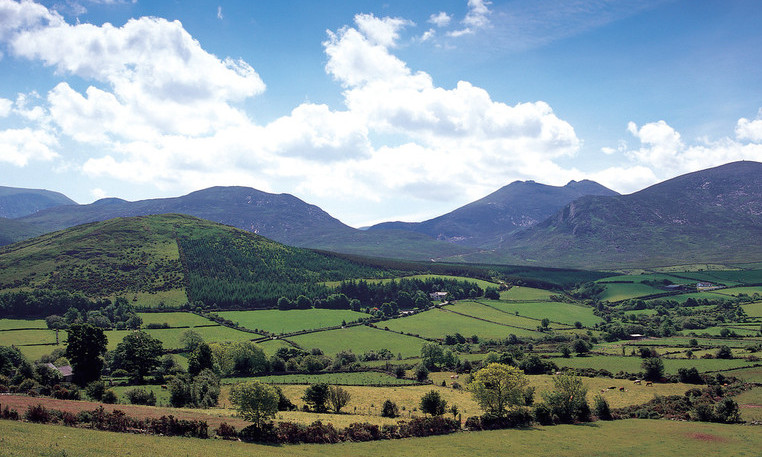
(362, 432)
(141, 396)
(226, 432)
(95, 390)
(389, 409)
(38, 414)
(726, 410)
(10, 414)
(109, 397)
(601, 408)
(432, 403)
(428, 426)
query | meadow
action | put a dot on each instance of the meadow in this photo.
(632, 364)
(437, 323)
(627, 437)
(276, 321)
(360, 339)
(352, 378)
(566, 313)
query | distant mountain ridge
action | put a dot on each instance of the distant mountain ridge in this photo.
(17, 202)
(487, 221)
(712, 215)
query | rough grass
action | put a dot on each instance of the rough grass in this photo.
(360, 339)
(483, 311)
(170, 337)
(626, 438)
(615, 292)
(437, 323)
(276, 321)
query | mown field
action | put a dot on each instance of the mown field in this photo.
(625, 438)
(566, 313)
(277, 321)
(437, 323)
(360, 339)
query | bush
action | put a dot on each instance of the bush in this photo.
(726, 410)
(601, 408)
(109, 397)
(226, 432)
(432, 403)
(95, 390)
(38, 414)
(10, 414)
(689, 376)
(141, 396)
(428, 426)
(362, 432)
(389, 409)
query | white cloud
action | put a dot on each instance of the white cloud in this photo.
(20, 146)
(428, 34)
(160, 110)
(441, 19)
(5, 107)
(476, 19)
(664, 150)
(750, 130)
(219, 13)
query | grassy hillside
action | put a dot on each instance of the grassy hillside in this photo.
(163, 254)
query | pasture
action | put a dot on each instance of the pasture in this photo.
(615, 292)
(20, 324)
(483, 311)
(627, 437)
(566, 313)
(521, 293)
(294, 320)
(632, 364)
(354, 378)
(437, 323)
(175, 319)
(360, 339)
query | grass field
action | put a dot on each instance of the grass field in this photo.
(358, 378)
(633, 364)
(621, 438)
(566, 313)
(438, 323)
(26, 337)
(170, 337)
(360, 339)
(753, 309)
(750, 404)
(489, 313)
(751, 374)
(520, 293)
(174, 319)
(715, 331)
(11, 324)
(171, 298)
(276, 321)
(615, 292)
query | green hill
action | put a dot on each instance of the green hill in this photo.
(171, 255)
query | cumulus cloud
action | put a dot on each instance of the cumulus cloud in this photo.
(20, 146)
(5, 107)
(663, 150)
(441, 19)
(157, 108)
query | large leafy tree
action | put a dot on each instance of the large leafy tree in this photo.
(568, 400)
(138, 354)
(84, 349)
(338, 397)
(255, 401)
(498, 386)
(316, 397)
(433, 403)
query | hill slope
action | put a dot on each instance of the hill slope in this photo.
(485, 222)
(713, 215)
(170, 255)
(17, 202)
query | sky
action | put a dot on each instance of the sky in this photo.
(374, 111)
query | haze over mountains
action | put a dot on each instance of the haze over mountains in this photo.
(713, 215)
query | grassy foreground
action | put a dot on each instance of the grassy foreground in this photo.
(630, 437)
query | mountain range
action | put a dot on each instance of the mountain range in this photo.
(713, 215)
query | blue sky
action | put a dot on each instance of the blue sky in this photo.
(373, 111)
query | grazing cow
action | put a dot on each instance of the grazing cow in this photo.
(164, 386)
(452, 376)
(621, 389)
(612, 387)
(637, 381)
(649, 384)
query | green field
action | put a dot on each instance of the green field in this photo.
(355, 378)
(175, 319)
(11, 324)
(615, 292)
(294, 320)
(615, 364)
(489, 313)
(715, 331)
(360, 339)
(170, 337)
(30, 337)
(753, 309)
(566, 313)
(618, 438)
(438, 323)
(520, 293)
